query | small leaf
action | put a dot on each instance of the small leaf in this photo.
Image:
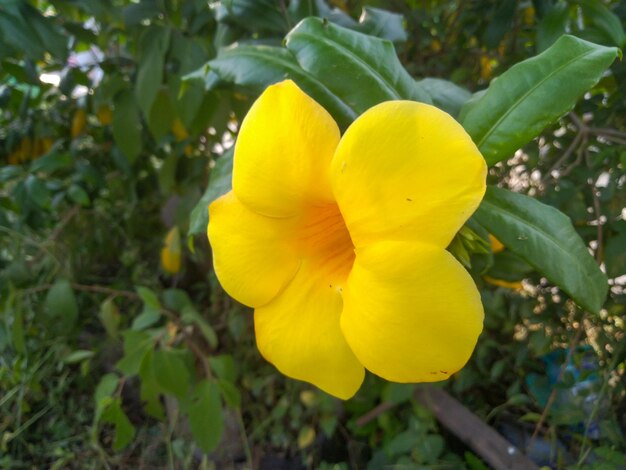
(153, 45)
(149, 297)
(110, 317)
(146, 319)
(220, 182)
(136, 345)
(546, 239)
(204, 411)
(78, 195)
(104, 390)
(61, 304)
(306, 437)
(533, 94)
(170, 372)
(126, 125)
(78, 356)
(38, 192)
(124, 430)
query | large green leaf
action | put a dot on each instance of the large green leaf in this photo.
(533, 94)
(256, 67)
(361, 70)
(546, 239)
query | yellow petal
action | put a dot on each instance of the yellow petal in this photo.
(283, 152)
(299, 333)
(251, 258)
(411, 312)
(407, 171)
(170, 253)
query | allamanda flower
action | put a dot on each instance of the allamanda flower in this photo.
(339, 243)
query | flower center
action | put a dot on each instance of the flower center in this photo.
(324, 240)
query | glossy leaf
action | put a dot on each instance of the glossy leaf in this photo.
(361, 70)
(257, 67)
(529, 96)
(545, 238)
(445, 94)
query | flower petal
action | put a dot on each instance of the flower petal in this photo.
(299, 333)
(407, 171)
(251, 257)
(411, 312)
(283, 152)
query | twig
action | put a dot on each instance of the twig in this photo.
(546, 409)
(374, 413)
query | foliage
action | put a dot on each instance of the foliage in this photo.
(117, 345)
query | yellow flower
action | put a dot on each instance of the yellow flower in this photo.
(496, 245)
(339, 243)
(170, 253)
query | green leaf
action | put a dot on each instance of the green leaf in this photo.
(150, 390)
(61, 305)
(552, 26)
(220, 182)
(257, 67)
(204, 411)
(255, 15)
(104, 391)
(37, 191)
(149, 297)
(126, 125)
(146, 319)
(546, 239)
(533, 94)
(78, 356)
(383, 24)
(500, 23)
(124, 430)
(179, 301)
(110, 317)
(53, 161)
(300, 9)
(136, 345)
(161, 115)
(445, 95)
(170, 372)
(615, 255)
(153, 45)
(78, 195)
(604, 20)
(361, 70)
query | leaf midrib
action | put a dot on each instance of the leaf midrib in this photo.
(349, 53)
(537, 230)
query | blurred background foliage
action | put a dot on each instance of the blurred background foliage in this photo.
(118, 348)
